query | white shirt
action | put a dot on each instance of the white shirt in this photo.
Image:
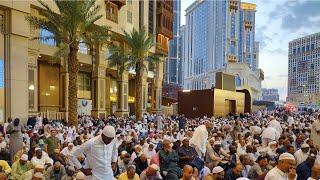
(149, 154)
(310, 178)
(276, 174)
(199, 138)
(255, 130)
(99, 157)
(300, 156)
(3, 145)
(270, 133)
(66, 152)
(44, 160)
(180, 136)
(275, 124)
(290, 120)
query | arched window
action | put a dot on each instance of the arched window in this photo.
(238, 80)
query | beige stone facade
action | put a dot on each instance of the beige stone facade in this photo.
(31, 84)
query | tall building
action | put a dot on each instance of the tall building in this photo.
(31, 85)
(220, 36)
(171, 64)
(270, 94)
(304, 69)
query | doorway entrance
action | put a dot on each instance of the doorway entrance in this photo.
(230, 106)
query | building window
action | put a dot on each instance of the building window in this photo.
(83, 48)
(49, 37)
(84, 85)
(129, 17)
(112, 12)
(238, 80)
(31, 87)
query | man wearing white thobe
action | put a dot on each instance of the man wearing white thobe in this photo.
(285, 169)
(302, 154)
(159, 121)
(100, 152)
(276, 125)
(200, 137)
(315, 132)
(268, 135)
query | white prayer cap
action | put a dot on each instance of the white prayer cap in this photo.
(304, 145)
(155, 167)
(37, 149)
(217, 169)
(242, 178)
(217, 143)
(24, 157)
(80, 175)
(109, 131)
(123, 153)
(286, 156)
(39, 166)
(38, 175)
(272, 143)
(185, 138)
(131, 165)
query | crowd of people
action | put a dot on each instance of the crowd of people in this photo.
(270, 145)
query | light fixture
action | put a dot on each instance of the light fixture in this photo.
(47, 94)
(186, 90)
(52, 88)
(31, 87)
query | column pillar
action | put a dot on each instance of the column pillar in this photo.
(107, 94)
(156, 97)
(33, 81)
(16, 38)
(123, 94)
(144, 93)
(99, 83)
(64, 88)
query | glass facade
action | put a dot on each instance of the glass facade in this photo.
(304, 68)
(172, 68)
(217, 32)
(84, 85)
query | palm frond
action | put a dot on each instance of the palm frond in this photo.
(118, 58)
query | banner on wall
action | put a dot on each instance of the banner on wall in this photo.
(84, 107)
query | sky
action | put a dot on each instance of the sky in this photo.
(277, 23)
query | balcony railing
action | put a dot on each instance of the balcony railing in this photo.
(119, 3)
(50, 115)
(233, 5)
(232, 58)
(164, 31)
(112, 17)
(248, 24)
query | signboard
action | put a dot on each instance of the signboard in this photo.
(84, 107)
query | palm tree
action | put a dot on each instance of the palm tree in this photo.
(136, 54)
(117, 59)
(74, 24)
